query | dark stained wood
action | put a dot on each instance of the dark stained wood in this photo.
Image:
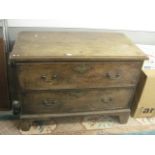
(25, 124)
(123, 117)
(34, 46)
(4, 94)
(76, 100)
(139, 90)
(64, 75)
(26, 120)
(60, 74)
(116, 112)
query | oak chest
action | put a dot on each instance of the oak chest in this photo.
(59, 74)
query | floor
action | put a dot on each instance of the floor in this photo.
(89, 125)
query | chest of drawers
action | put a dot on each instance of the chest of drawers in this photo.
(60, 74)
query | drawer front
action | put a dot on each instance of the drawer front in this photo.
(66, 101)
(37, 76)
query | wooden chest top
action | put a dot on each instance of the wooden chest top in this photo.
(36, 46)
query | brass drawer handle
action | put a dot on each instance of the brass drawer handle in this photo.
(113, 76)
(45, 78)
(106, 99)
(50, 102)
(82, 68)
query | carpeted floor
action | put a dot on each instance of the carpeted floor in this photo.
(96, 125)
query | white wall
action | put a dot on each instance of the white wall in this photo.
(109, 14)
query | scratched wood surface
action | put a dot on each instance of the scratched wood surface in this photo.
(74, 73)
(74, 45)
(64, 75)
(76, 100)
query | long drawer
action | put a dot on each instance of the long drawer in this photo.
(70, 75)
(65, 101)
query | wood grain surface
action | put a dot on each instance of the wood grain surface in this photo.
(4, 95)
(60, 74)
(63, 101)
(64, 75)
(32, 46)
